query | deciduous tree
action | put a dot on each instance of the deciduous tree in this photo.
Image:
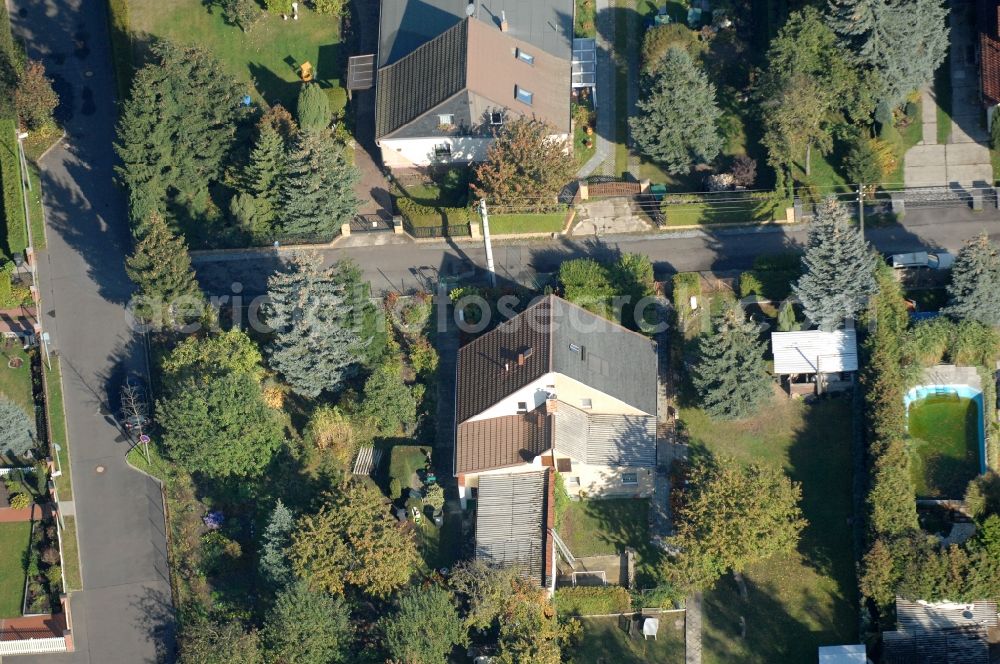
(322, 320)
(317, 195)
(730, 517)
(161, 267)
(679, 120)
(242, 13)
(974, 291)
(388, 402)
(332, 434)
(485, 591)
(525, 168)
(223, 352)
(218, 425)
(731, 376)
(839, 268)
(35, 99)
(308, 627)
(425, 628)
(203, 641)
(353, 541)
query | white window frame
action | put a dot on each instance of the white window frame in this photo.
(586, 404)
(625, 482)
(526, 97)
(442, 150)
(526, 58)
(446, 118)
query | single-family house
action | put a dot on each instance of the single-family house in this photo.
(451, 72)
(988, 22)
(815, 361)
(554, 389)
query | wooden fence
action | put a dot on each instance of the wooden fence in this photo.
(613, 189)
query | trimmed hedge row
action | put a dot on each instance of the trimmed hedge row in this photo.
(592, 600)
(13, 199)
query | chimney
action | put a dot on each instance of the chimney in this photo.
(503, 21)
(520, 359)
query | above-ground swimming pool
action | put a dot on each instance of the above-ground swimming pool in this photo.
(946, 428)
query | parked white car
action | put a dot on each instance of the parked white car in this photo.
(934, 261)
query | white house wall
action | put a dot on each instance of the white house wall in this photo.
(411, 152)
(534, 394)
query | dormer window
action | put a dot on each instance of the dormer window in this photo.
(525, 57)
(523, 96)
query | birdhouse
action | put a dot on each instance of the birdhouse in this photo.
(306, 72)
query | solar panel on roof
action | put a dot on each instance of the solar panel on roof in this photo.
(360, 72)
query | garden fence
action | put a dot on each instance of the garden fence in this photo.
(33, 646)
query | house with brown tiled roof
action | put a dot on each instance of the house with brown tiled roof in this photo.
(451, 72)
(988, 22)
(556, 389)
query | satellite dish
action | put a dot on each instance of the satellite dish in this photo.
(470, 8)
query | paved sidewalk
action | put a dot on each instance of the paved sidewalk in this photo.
(928, 115)
(692, 630)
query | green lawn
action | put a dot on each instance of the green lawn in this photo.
(15, 538)
(71, 555)
(944, 440)
(505, 224)
(440, 547)
(905, 139)
(266, 59)
(404, 460)
(599, 527)
(15, 384)
(806, 599)
(604, 642)
(942, 93)
(689, 214)
(57, 425)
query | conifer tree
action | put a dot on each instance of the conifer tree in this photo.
(731, 376)
(974, 291)
(318, 317)
(678, 124)
(902, 41)
(313, 108)
(176, 130)
(317, 195)
(839, 268)
(257, 205)
(274, 564)
(161, 268)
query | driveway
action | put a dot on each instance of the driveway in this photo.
(124, 611)
(964, 160)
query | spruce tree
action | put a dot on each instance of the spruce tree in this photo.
(974, 291)
(176, 131)
(317, 195)
(902, 41)
(274, 564)
(839, 268)
(257, 205)
(318, 317)
(161, 267)
(679, 120)
(731, 376)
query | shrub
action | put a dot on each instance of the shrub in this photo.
(19, 501)
(279, 6)
(590, 600)
(10, 179)
(334, 7)
(17, 430)
(660, 39)
(54, 575)
(395, 489)
(995, 131)
(744, 171)
(750, 284)
(35, 99)
(313, 108)
(242, 13)
(423, 357)
(911, 110)
(50, 555)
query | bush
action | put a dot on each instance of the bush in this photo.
(591, 600)
(995, 131)
(35, 99)
(395, 489)
(911, 110)
(750, 284)
(242, 13)
(660, 39)
(50, 555)
(423, 357)
(17, 429)
(20, 501)
(54, 575)
(12, 201)
(313, 108)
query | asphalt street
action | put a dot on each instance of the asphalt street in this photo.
(409, 265)
(123, 614)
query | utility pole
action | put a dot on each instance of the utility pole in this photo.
(486, 239)
(861, 209)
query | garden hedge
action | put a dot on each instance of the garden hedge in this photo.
(13, 200)
(592, 600)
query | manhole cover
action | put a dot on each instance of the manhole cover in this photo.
(99, 469)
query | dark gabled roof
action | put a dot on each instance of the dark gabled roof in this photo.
(500, 442)
(425, 78)
(563, 338)
(406, 24)
(514, 514)
(968, 645)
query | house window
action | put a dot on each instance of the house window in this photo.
(496, 118)
(525, 57)
(446, 119)
(586, 403)
(630, 479)
(523, 96)
(522, 406)
(442, 150)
